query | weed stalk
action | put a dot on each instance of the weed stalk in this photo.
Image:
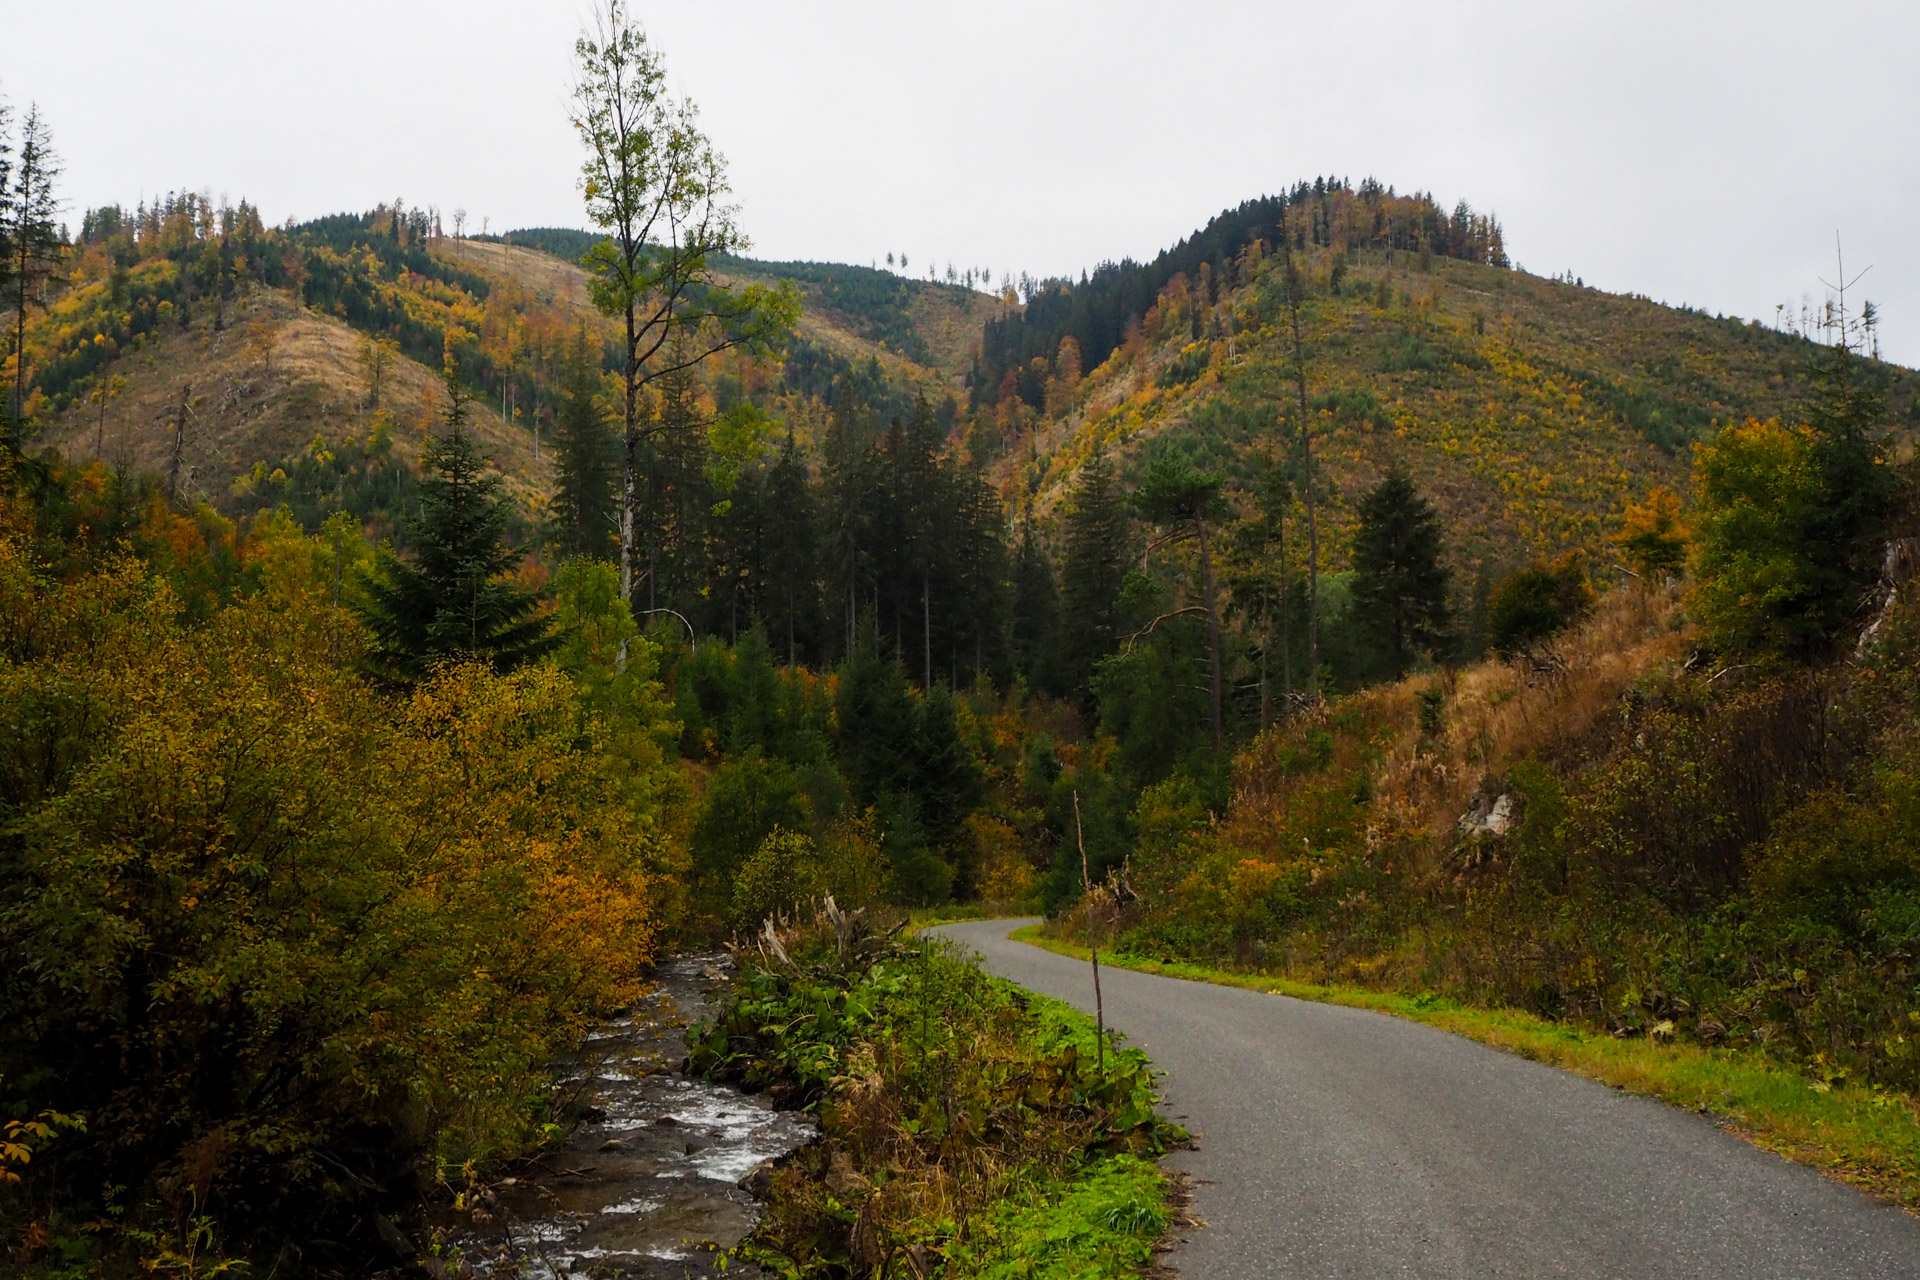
(1093, 945)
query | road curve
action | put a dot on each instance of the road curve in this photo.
(1340, 1142)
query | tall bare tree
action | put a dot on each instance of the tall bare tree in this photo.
(33, 238)
(656, 185)
(1296, 290)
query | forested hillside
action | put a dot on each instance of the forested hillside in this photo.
(409, 635)
(311, 351)
(1530, 410)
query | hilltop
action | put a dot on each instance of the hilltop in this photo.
(922, 331)
(1530, 410)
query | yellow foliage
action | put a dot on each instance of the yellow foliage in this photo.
(1003, 873)
(238, 861)
(1652, 536)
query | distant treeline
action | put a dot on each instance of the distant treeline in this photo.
(1328, 212)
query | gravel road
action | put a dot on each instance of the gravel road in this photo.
(1339, 1142)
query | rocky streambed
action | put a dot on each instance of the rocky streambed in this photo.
(648, 1185)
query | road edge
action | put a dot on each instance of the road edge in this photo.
(1867, 1139)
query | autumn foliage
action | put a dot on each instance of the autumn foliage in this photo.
(289, 943)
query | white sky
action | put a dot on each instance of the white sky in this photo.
(1696, 152)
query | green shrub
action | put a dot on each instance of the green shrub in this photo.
(1538, 602)
(945, 1097)
(286, 941)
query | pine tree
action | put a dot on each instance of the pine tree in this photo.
(453, 600)
(1400, 586)
(1036, 610)
(1094, 569)
(587, 468)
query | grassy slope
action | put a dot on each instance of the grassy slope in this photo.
(243, 414)
(947, 319)
(1530, 410)
(1855, 1135)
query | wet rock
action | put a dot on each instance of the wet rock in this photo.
(759, 1180)
(665, 1120)
(393, 1237)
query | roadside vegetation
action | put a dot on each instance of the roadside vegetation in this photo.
(968, 1128)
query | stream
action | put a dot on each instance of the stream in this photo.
(647, 1187)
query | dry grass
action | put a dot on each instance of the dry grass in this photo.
(1547, 704)
(1543, 704)
(950, 320)
(1524, 445)
(950, 330)
(244, 412)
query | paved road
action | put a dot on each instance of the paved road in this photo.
(1338, 1142)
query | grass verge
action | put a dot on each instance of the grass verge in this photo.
(968, 1128)
(1866, 1138)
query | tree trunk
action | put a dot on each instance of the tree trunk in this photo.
(630, 409)
(177, 453)
(626, 534)
(1296, 285)
(1313, 526)
(1286, 625)
(1213, 629)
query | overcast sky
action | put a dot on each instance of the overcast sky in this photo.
(1696, 152)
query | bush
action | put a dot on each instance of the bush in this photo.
(1537, 603)
(1788, 526)
(945, 1097)
(286, 943)
(750, 799)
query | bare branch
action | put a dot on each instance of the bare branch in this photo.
(1127, 649)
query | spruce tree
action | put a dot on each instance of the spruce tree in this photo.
(792, 605)
(1175, 496)
(450, 599)
(1844, 536)
(33, 238)
(1400, 586)
(1036, 610)
(1259, 588)
(587, 468)
(1095, 568)
(1790, 523)
(675, 499)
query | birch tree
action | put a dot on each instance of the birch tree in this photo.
(658, 188)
